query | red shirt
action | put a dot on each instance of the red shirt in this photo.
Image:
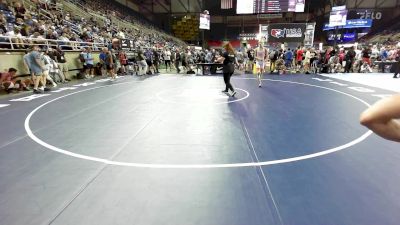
(299, 55)
(6, 77)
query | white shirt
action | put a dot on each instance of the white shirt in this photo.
(167, 55)
(308, 55)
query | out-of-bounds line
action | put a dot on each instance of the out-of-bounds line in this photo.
(195, 166)
(67, 117)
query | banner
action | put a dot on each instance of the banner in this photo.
(126, 44)
(350, 24)
(338, 18)
(284, 32)
(204, 21)
(309, 35)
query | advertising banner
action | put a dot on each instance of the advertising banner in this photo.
(309, 35)
(126, 44)
(338, 18)
(350, 24)
(204, 21)
(285, 32)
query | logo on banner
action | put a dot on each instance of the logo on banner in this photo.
(277, 33)
(290, 33)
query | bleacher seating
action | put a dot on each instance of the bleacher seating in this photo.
(83, 21)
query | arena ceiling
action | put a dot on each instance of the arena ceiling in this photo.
(196, 6)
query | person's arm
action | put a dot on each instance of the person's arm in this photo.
(1, 78)
(266, 55)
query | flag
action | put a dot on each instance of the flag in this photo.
(226, 4)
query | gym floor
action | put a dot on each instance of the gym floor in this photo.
(173, 149)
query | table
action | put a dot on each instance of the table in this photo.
(382, 65)
(210, 65)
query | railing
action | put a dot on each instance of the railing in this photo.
(13, 42)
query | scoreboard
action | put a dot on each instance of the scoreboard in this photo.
(269, 6)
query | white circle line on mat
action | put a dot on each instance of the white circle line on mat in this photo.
(193, 166)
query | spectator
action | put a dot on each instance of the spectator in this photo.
(288, 58)
(110, 65)
(365, 68)
(16, 38)
(49, 67)
(307, 61)
(102, 61)
(156, 61)
(167, 58)
(88, 63)
(19, 10)
(142, 61)
(366, 55)
(59, 57)
(4, 5)
(37, 68)
(9, 82)
(149, 60)
(299, 58)
(178, 60)
(123, 59)
(350, 56)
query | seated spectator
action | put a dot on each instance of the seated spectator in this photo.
(28, 19)
(9, 82)
(19, 10)
(3, 18)
(4, 5)
(16, 38)
(365, 68)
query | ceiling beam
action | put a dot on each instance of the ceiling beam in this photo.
(183, 5)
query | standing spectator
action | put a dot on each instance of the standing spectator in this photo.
(251, 57)
(167, 59)
(288, 58)
(62, 63)
(123, 59)
(396, 68)
(177, 60)
(307, 61)
(149, 60)
(350, 56)
(299, 58)
(110, 65)
(142, 62)
(37, 68)
(49, 67)
(184, 60)
(27, 62)
(102, 60)
(156, 61)
(89, 63)
(173, 59)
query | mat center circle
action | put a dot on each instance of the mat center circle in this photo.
(197, 95)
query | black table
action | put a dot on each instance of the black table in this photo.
(383, 65)
(210, 65)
